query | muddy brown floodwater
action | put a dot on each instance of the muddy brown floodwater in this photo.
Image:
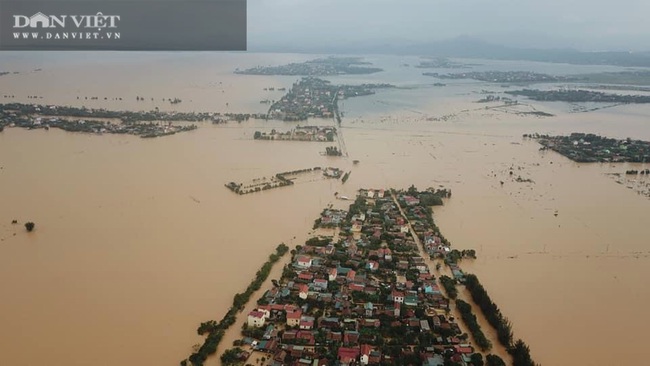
(137, 240)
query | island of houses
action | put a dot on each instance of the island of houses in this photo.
(300, 133)
(319, 67)
(283, 179)
(98, 121)
(591, 148)
(313, 97)
(363, 292)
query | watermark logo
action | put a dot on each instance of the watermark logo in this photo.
(40, 20)
(130, 25)
(63, 27)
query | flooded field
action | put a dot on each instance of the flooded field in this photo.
(138, 241)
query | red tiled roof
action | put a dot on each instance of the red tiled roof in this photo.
(347, 355)
(294, 314)
(303, 258)
(366, 349)
(464, 350)
(256, 314)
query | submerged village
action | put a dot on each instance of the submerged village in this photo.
(378, 285)
(308, 97)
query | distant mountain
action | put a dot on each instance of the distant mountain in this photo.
(469, 47)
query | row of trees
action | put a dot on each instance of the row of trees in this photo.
(450, 286)
(519, 350)
(472, 323)
(490, 309)
(332, 151)
(216, 330)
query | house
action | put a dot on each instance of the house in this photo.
(256, 319)
(303, 291)
(431, 288)
(320, 284)
(331, 274)
(325, 297)
(365, 354)
(289, 335)
(370, 323)
(372, 265)
(435, 360)
(329, 322)
(293, 318)
(350, 337)
(356, 227)
(307, 336)
(411, 201)
(369, 308)
(306, 322)
(359, 217)
(280, 356)
(463, 349)
(304, 261)
(350, 275)
(335, 336)
(347, 355)
(424, 325)
(397, 296)
(388, 254)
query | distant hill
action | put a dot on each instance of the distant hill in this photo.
(468, 47)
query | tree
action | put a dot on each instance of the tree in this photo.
(477, 359)
(231, 356)
(521, 354)
(29, 226)
(494, 360)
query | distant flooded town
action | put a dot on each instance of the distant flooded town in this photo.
(319, 67)
(516, 77)
(314, 97)
(591, 148)
(143, 124)
(300, 133)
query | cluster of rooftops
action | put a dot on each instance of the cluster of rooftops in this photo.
(364, 295)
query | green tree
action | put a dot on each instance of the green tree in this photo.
(231, 356)
(477, 359)
(29, 226)
(494, 360)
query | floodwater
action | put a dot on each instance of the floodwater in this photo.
(137, 240)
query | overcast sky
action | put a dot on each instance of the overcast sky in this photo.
(581, 24)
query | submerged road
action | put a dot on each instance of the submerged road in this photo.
(339, 131)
